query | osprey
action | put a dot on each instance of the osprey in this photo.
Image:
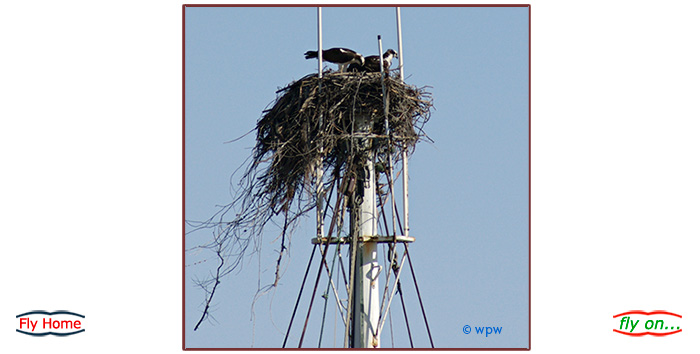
(372, 62)
(341, 56)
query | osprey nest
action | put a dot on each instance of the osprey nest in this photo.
(309, 122)
(338, 121)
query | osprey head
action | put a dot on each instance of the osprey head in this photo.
(362, 60)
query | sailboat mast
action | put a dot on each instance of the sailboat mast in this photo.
(363, 227)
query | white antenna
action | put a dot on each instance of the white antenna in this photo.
(398, 30)
(404, 155)
(319, 166)
(386, 131)
(320, 43)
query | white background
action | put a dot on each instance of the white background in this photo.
(90, 188)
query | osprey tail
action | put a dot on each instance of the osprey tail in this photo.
(311, 54)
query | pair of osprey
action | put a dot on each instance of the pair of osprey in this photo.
(348, 59)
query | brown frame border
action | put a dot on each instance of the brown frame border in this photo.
(529, 182)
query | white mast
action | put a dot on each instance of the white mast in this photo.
(363, 225)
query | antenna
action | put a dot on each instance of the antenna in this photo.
(398, 30)
(319, 22)
(319, 166)
(385, 98)
(404, 157)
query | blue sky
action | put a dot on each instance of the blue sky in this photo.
(468, 189)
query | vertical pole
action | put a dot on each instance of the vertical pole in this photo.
(398, 29)
(319, 164)
(404, 173)
(381, 70)
(385, 97)
(404, 157)
(320, 42)
(365, 318)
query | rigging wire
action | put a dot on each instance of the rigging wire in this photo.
(351, 290)
(420, 300)
(391, 326)
(415, 283)
(392, 255)
(336, 255)
(335, 318)
(391, 330)
(325, 298)
(301, 289)
(405, 316)
(324, 252)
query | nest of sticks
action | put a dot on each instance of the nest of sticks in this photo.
(335, 122)
(316, 119)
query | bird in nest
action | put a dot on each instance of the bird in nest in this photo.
(372, 62)
(341, 56)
